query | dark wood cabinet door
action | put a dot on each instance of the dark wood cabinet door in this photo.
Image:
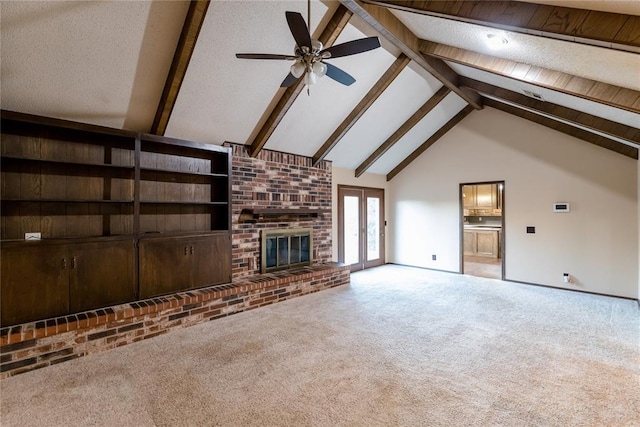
(101, 274)
(165, 266)
(210, 260)
(35, 283)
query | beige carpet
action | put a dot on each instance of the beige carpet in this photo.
(399, 346)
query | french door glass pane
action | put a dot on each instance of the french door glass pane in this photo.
(373, 228)
(351, 227)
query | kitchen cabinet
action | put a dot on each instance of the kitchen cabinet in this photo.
(169, 265)
(481, 196)
(486, 196)
(484, 243)
(49, 279)
(469, 196)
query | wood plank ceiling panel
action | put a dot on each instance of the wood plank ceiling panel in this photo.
(186, 44)
(582, 134)
(430, 141)
(392, 29)
(611, 95)
(330, 33)
(608, 127)
(367, 101)
(402, 130)
(619, 31)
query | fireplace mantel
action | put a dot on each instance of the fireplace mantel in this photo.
(279, 214)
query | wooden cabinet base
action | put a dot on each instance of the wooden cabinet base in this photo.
(481, 243)
(169, 265)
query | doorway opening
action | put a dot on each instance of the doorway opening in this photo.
(361, 226)
(481, 229)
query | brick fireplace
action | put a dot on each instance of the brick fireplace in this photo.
(283, 183)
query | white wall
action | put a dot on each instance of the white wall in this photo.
(343, 176)
(597, 242)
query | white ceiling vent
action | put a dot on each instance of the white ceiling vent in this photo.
(533, 95)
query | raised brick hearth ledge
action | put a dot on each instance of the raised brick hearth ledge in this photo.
(37, 344)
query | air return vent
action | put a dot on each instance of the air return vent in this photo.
(533, 95)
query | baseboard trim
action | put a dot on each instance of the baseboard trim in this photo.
(424, 268)
(526, 283)
(568, 289)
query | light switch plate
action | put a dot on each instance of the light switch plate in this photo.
(32, 236)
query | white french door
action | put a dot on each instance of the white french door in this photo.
(360, 227)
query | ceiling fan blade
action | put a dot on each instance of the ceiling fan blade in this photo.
(352, 47)
(289, 80)
(298, 29)
(338, 75)
(263, 56)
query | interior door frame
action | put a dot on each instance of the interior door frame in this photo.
(362, 241)
(503, 220)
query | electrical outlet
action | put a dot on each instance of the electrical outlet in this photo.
(433, 257)
(32, 236)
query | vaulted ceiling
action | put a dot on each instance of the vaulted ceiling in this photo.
(169, 67)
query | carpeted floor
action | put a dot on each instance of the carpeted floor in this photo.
(399, 346)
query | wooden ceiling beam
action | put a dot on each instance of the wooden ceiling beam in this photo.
(603, 93)
(393, 30)
(402, 130)
(186, 45)
(429, 142)
(612, 30)
(598, 124)
(332, 30)
(582, 134)
(374, 93)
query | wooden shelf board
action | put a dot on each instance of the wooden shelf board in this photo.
(64, 162)
(255, 215)
(178, 202)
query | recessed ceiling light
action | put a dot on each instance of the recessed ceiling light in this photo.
(496, 41)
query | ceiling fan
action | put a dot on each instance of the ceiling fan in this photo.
(310, 57)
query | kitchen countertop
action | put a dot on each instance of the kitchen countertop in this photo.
(482, 227)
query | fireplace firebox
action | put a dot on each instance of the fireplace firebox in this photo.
(286, 248)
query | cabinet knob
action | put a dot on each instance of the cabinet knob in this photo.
(73, 262)
(191, 251)
(186, 250)
(64, 263)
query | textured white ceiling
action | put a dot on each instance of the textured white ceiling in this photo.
(406, 94)
(223, 98)
(438, 117)
(94, 62)
(600, 110)
(592, 62)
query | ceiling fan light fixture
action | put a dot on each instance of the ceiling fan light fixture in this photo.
(319, 68)
(310, 78)
(316, 45)
(298, 68)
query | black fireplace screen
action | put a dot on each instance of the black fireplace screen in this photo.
(283, 249)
